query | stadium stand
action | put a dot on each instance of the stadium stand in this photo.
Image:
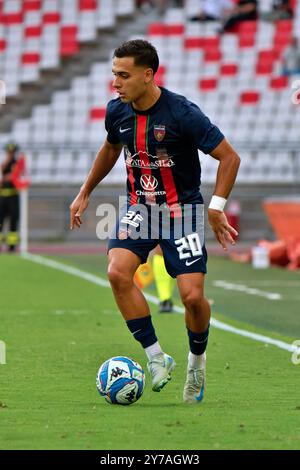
(36, 35)
(235, 78)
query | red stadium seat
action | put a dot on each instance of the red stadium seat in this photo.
(282, 39)
(33, 31)
(194, 43)
(208, 84)
(67, 50)
(110, 86)
(97, 113)
(284, 26)
(249, 97)
(161, 70)
(157, 29)
(246, 40)
(30, 58)
(212, 55)
(160, 75)
(2, 45)
(12, 18)
(212, 42)
(51, 17)
(175, 29)
(267, 55)
(31, 5)
(160, 81)
(264, 68)
(266, 59)
(68, 41)
(229, 69)
(278, 83)
(87, 5)
(247, 27)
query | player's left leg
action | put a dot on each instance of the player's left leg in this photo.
(197, 317)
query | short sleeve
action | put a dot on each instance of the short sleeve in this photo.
(198, 129)
(112, 132)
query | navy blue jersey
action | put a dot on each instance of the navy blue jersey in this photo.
(161, 148)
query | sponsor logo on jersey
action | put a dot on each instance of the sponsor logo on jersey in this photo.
(154, 162)
(150, 193)
(159, 132)
(148, 182)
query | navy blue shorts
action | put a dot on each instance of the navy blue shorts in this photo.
(179, 232)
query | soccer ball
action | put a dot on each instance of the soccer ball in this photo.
(120, 380)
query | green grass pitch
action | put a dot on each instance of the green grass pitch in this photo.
(58, 329)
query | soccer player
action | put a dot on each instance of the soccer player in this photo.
(161, 133)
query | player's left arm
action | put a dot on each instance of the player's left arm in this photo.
(229, 162)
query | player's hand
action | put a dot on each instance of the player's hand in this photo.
(77, 208)
(224, 233)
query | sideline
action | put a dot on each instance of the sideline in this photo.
(247, 290)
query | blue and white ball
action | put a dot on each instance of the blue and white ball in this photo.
(120, 380)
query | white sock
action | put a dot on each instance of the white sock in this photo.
(153, 350)
(195, 361)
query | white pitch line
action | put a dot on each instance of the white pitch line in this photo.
(272, 283)
(247, 290)
(153, 299)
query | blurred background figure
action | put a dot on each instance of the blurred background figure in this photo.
(245, 10)
(213, 10)
(9, 198)
(145, 6)
(291, 58)
(281, 10)
(163, 281)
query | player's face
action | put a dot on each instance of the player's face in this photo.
(130, 80)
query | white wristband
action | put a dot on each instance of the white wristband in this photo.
(217, 203)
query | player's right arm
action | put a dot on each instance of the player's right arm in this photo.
(103, 163)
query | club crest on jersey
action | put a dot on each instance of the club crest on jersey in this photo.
(159, 132)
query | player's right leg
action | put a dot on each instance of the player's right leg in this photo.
(185, 259)
(121, 269)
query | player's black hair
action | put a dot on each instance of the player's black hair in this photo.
(143, 52)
